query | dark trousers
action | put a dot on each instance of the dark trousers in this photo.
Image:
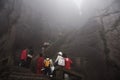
(28, 62)
(23, 63)
(47, 71)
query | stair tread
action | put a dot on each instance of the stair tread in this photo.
(28, 77)
(24, 74)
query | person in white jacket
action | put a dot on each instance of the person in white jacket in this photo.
(60, 60)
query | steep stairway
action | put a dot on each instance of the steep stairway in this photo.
(19, 73)
(8, 72)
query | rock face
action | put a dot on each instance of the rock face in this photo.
(95, 47)
(9, 15)
(92, 53)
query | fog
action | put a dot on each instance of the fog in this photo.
(51, 18)
(87, 30)
(64, 13)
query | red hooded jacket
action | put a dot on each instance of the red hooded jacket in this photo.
(68, 63)
(23, 54)
(40, 65)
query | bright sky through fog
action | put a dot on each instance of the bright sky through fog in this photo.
(78, 3)
(64, 13)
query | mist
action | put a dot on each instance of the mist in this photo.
(87, 30)
(64, 13)
(60, 16)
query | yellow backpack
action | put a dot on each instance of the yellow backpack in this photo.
(47, 63)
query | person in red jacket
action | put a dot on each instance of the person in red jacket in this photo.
(40, 64)
(23, 57)
(68, 63)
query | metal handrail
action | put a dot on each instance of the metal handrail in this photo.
(69, 72)
(73, 73)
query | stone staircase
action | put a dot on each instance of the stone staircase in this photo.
(8, 72)
(19, 73)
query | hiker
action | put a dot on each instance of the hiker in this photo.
(23, 57)
(40, 64)
(68, 63)
(47, 64)
(29, 57)
(59, 65)
(60, 60)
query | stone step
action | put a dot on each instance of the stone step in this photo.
(19, 69)
(26, 74)
(20, 77)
